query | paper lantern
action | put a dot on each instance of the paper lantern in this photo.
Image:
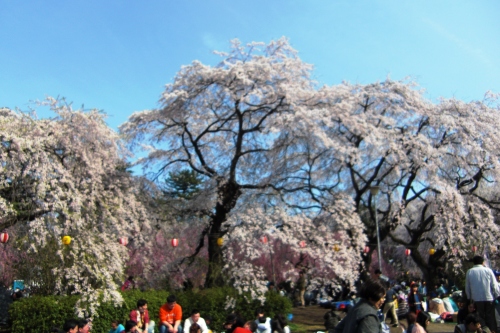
(66, 240)
(263, 239)
(474, 248)
(432, 251)
(220, 241)
(336, 248)
(174, 242)
(123, 241)
(302, 244)
(366, 249)
(4, 237)
(407, 252)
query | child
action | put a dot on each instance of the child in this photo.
(116, 327)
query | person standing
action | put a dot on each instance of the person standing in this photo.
(170, 316)
(389, 306)
(481, 287)
(301, 287)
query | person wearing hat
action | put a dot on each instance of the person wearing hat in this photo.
(415, 299)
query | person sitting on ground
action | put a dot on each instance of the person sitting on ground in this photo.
(332, 319)
(411, 318)
(131, 327)
(170, 316)
(195, 318)
(141, 317)
(279, 324)
(423, 320)
(235, 324)
(116, 327)
(472, 324)
(83, 326)
(363, 317)
(70, 326)
(263, 322)
(195, 328)
(251, 326)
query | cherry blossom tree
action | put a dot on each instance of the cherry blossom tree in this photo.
(248, 127)
(66, 176)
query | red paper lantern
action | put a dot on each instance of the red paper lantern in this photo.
(263, 239)
(302, 244)
(407, 252)
(4, 237)
(123, 241)
(366, 249)
(174, 242)
(474, 248)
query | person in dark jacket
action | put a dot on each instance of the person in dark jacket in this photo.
(415, 299)
(363, 317)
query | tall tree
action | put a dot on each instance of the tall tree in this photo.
(247, 126)
(66, 176)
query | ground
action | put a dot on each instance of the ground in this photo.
(310, 319)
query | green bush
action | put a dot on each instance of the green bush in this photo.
(39, 314)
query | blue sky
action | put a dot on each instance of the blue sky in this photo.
(118, 55)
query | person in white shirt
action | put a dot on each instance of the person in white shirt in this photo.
(195, 318)
(263, 322)
(481, 286)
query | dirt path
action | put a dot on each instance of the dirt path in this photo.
(310, 319)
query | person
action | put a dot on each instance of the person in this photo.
(263, 322)
(389, 306)
(170, 316)
(301, 287)
(235, 324)
(195, 328)
(116, 327)
(128, 284)
(472, 324)
(464, 311)
(415, 299)
(423, 320)
(332, 319)
(363, 318)
(83, 326)
(141, 317)
(251, 326)
(411, 318)
(131, 327)
(195, 318)
(70, 326)
(481, 287)
(279, 324)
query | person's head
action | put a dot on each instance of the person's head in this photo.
(195, 328)
(208, 319)
(114, 324)
(478, 260)
(411, 317)
(142, 305)
(423, 319)
(378, 272)
(259, 313)
(130, 326)
(70, 326)
(472, 322)
(251, 325)
(230, 320)
(414, 287)
(374, 292)
(171, 301)
(195, 315)
(471, 307)
(83, 326)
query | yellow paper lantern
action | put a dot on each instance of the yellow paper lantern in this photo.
(66, 240)
(432, 251)
(220, 241)
(336, 248)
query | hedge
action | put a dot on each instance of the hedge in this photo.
(40, 313)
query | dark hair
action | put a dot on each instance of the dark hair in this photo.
(70, 324)
(195, 311)
(259, 311)
(422, 319)
(129, 324)
(194, 328)
(82, 323)
(378, 271)
(278, 324)
(252, 326)
(372, 290)
(115, 321)
(478, 260)
(171, 299)
(411, 317)
(472, 318)
(141, 302)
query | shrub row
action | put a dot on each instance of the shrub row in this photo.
(39, 314)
